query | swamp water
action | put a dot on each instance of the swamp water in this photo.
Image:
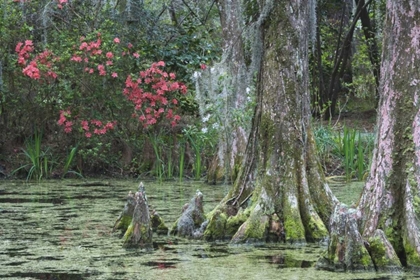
(62, 230)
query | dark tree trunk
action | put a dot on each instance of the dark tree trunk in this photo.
(387, 216)
(280, 192)
(369, 32)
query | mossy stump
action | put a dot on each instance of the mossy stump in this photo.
(137, 223)
(191, 223)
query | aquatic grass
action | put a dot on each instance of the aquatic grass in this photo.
(325, 143)
(169, 157)
(67, 163)
(157, 149)
(349, 137)
(364, 154)
(197, 139)
(181, 166)
(349, 150)
(360, 159)
(40, 166)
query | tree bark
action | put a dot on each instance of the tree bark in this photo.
(237, 76)
(280, 192)
(388, 211)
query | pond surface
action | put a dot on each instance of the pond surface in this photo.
(62, 230)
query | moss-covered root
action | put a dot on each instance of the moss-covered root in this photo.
(158, 225)
(255, 228)
(124, 219)
(223, 222)
(346, 250)
(139, 233)
(382, 253)
(216, 227)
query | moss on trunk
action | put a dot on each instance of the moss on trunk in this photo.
(280, 184)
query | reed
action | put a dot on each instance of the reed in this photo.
(39, 165)
(67, 163)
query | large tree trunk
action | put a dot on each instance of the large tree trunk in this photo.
(388, 211)
(280, 192)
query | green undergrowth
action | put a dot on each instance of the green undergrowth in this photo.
(344, 153)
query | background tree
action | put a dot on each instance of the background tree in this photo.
(280, 185)
(383, 231)
(225, 90)
(343, 61)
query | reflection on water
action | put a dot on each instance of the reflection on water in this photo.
(59, 230)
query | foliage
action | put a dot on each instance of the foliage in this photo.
(332, 78)
(198, 140)
(79, 62)
(90, 77)
(345, 152)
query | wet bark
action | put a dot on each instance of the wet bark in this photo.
(388, 211)
(280, 193)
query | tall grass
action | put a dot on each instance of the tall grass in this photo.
(67, 163)
(39, 166)
(157, 149)
(197, 140)
(181, 166)
(348, 150)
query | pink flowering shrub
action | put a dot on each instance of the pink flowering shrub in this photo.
(105, 83)
(150, 92)
(35, 66)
